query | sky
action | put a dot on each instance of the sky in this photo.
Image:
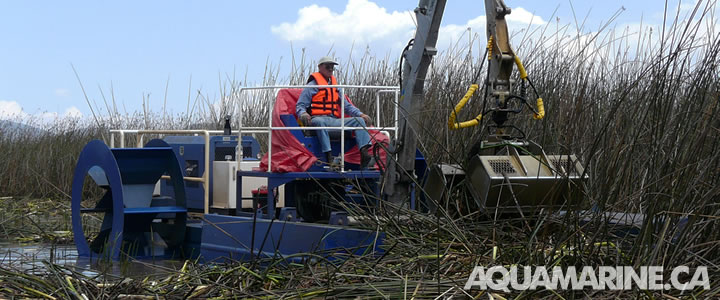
(137, 51)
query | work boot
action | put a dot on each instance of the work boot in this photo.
(333, 162)
(365, 157)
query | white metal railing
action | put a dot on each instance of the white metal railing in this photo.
(204, 179)
(342, 128)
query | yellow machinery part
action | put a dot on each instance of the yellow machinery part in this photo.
(523, 74)
(520, 67)
(452, 124)
(490, 48)
(541, 110)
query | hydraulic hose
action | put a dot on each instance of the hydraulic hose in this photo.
(523, 75)
(540, 110)
(451, 121)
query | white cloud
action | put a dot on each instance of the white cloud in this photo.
(11, 110)
(72, 112)
(452, 32)
(520, 15)
(364, 21)
(517, 20)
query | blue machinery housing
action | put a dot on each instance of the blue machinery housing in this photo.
(154, 206)
(144, 218)
(128, 177)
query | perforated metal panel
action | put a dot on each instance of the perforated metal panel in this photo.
(525, 182)
(564, 166)
(502, 166)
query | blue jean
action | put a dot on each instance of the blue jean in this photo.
(362, 137)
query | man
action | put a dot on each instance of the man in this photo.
(321, 107)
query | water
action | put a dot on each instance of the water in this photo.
(32, 258)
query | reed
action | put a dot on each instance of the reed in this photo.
(641, 109)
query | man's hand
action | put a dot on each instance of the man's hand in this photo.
(367, 119)
(306, 119)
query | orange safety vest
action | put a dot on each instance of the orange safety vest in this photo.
(325, 102)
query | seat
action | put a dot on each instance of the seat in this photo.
(309, 137)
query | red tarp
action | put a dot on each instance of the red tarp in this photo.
(289, 155)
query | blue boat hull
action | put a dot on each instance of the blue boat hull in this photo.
(232, 238)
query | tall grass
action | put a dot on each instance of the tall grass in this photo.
(640, 107)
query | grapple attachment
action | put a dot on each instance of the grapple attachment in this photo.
(525, 182)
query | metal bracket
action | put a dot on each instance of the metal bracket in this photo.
(430, 51)
(338, 218)
(289, 214)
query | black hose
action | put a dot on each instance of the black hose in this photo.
(533, 87)
(487, 87)
(477, 75)
(523, 100)
(402, 57)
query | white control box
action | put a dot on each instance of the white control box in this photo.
(225, 185)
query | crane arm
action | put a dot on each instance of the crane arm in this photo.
(501, 60)
(417, 57)
(500, 53)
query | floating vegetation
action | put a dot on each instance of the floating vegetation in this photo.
(27, 220)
